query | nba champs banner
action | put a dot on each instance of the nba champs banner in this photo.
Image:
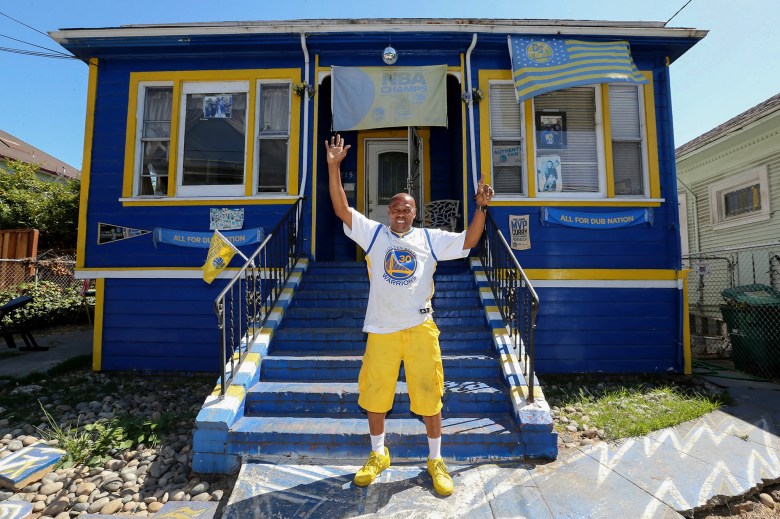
(386, 97)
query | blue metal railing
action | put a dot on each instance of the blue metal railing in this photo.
(244, 305)
(515, 297)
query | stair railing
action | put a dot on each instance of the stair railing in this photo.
(244, 305)
(515, 297)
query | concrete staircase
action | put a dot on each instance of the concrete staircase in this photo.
(304, 401)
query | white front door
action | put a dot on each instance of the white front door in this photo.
(387, 162)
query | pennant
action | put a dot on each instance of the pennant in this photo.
(544, 64)
(108, 233)
(221, 251)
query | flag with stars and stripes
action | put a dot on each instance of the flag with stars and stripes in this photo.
(544, 64)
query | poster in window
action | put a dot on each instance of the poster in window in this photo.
(217, 106)
(548, 174)
(507, 156)
(551, 130)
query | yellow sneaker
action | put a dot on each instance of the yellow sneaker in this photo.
(442, 481)
(374, 466)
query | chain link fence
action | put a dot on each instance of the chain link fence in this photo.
(51, 266)
(734, 306)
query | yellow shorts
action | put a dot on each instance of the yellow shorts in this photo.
(418, 348)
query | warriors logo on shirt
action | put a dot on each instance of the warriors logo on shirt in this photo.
(400, 266)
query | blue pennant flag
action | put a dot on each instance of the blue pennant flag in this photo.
(544, 64)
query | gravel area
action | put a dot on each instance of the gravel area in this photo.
(136, 481)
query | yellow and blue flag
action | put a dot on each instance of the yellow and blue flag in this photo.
(545, 64)
(221, 251)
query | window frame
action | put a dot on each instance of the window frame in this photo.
(606, 197)
(130, 178)
(521, 140)
(718, 190)
(257, 137)
(208, 87)
(138, 158)
(601, 162)
(643, 135)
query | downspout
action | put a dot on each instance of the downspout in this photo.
(305, 162)
(472, 139)
(695, 214)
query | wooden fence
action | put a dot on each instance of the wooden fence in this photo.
(17, 244)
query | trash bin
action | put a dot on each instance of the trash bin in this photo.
(752, 314)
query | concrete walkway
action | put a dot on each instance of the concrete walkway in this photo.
(666, 474)
(63, 343)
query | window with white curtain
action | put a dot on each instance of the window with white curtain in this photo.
(629, 150)
(506, 139)
(154, 132)
(569, 145)
(273, 137)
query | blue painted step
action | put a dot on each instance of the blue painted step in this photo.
(353, 317)
(341, 398)
(346, 368)
(483, 436)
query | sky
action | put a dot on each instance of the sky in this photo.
(43, 100)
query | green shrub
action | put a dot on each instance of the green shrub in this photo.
(52, 305)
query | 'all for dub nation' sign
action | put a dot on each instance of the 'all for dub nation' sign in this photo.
(582, 220)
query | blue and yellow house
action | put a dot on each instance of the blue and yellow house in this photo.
(192, 127)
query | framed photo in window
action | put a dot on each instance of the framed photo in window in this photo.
(551, 130)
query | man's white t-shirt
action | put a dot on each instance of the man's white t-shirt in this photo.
(400, 270)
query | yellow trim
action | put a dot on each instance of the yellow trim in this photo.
(169, 202)
(178, 78)
(97, 335)
(86, 164)
(485, 76)
(314, 147)
(249, 151)
(530, 158)
(233, 390)
(607, 122)
(687, 367)
(601, 202)
(651, 137)
(602, 274)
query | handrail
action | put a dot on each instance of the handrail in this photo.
(515, 297)
(252, 293)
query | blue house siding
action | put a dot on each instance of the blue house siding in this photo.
(612, 330)
(160, 325)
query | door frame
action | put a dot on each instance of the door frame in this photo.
(400, 133)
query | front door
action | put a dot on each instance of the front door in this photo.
(387, 162)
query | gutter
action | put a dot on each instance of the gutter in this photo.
(472, 139)
(305, 162)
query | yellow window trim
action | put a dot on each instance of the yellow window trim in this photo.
(603, 202)
(651, 136)
(177, 78)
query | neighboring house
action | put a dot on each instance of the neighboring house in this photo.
(186, 118)
(729, 182)
(50, 168)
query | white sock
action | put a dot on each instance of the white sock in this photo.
(378, 443)
(434, 446)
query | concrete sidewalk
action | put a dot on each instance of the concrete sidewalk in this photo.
(666, 474)
(63, 343)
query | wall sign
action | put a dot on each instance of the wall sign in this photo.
(551, 215)
(520, 232)
(202, 240)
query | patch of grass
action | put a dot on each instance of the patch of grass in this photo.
(625, 412)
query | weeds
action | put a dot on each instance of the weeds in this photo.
(625, 412)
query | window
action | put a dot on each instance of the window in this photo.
(212, 139)
(568, 142)
(155, 140)
(741, 199)
(506, 138)
(273, 137)
(628, 143)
